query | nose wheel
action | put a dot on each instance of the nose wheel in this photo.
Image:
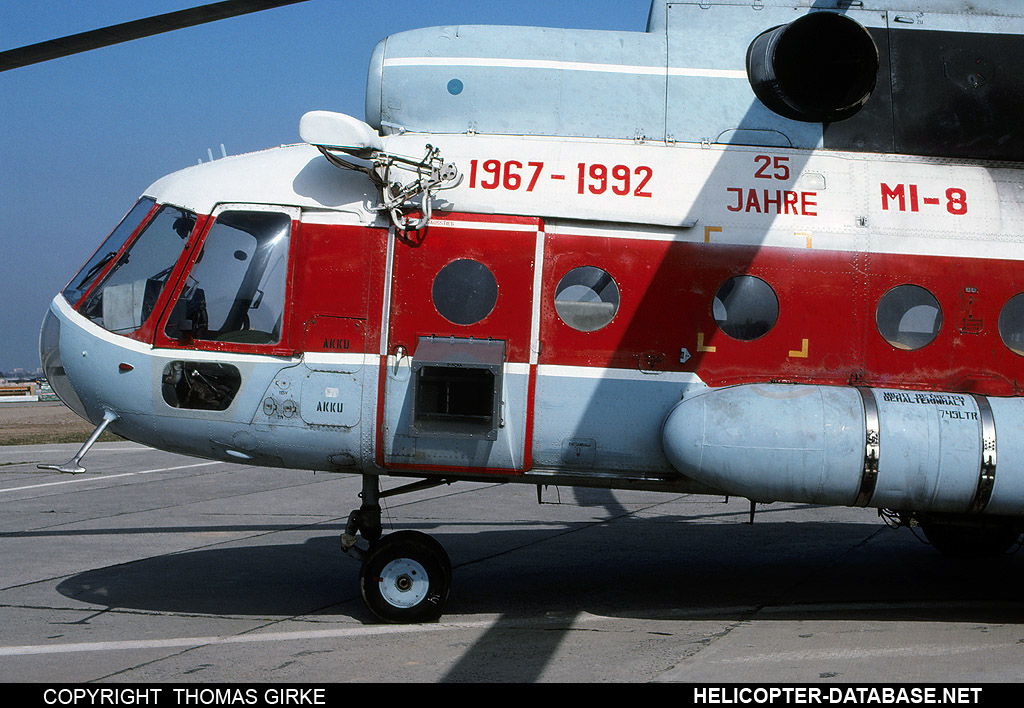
(405, 577)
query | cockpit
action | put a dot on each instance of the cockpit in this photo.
(172, 279)
(235, 290)
(227, 285)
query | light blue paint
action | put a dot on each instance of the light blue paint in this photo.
(803, 443)
(588, 83)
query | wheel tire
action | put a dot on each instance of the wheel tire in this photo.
(971, 541)
(405, 578)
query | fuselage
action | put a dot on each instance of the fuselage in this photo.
(562, 302)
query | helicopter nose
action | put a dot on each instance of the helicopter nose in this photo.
(53, 365)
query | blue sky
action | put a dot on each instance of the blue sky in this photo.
(82, 137)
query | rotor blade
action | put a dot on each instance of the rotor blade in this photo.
(127, 31)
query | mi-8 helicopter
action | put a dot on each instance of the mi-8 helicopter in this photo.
(767, 250)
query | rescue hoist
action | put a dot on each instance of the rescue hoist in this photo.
(336, 134)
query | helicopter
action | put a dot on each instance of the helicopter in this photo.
(768, 250)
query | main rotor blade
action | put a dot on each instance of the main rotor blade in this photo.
(136, 29)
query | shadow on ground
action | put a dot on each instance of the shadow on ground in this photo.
(666, 568)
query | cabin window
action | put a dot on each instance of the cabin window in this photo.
(1011, 324)
(236, 290)
(464, 291)
(908, 317)
(129, 291)
(745, 307)
(113, 243)
(586, 298)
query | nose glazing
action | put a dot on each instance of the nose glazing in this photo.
(53, 366)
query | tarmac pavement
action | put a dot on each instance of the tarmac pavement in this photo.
(154, 568)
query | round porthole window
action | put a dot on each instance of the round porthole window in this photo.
(908, 317)
(1011, 324)
(586, 298)
(464, 291)
(745, 307)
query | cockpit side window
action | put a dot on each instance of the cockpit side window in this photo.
(80, 284)
(236, 290)
(130, 289)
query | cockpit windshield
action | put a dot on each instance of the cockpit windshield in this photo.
(113, 243)
(130, 289)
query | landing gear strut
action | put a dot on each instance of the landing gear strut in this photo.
(406, 575)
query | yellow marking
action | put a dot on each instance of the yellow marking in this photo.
(802, 353)
(804, 234)
(700, 341)
(708, 230)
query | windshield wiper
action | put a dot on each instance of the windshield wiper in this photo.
(95, 270)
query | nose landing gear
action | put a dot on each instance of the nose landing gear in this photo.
(405, 578)
(406, 575)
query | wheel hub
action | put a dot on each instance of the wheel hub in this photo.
(404, 583)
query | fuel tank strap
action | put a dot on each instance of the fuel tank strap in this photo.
(987, 473)
(869, 476)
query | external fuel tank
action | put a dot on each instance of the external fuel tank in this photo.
(885, 448)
